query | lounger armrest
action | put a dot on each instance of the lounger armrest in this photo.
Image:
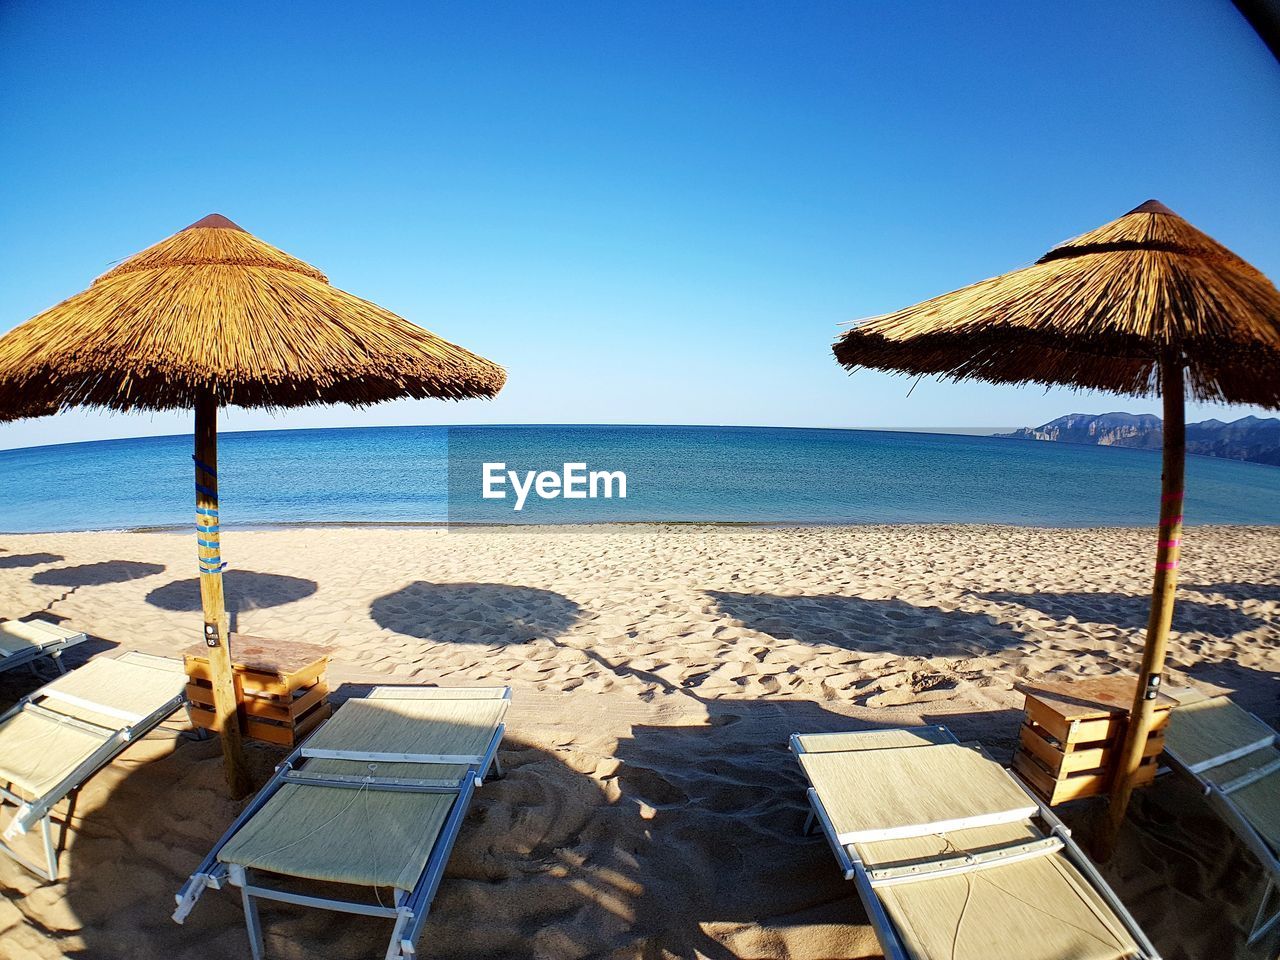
(211, 872)
(408, 948)
(23, 818)
(196, 884)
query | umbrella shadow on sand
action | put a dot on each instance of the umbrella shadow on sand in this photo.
(1131, 612)
(871, 626)
(17, 560)
(537, 860)
(1239, 591)
(715, 848)
(244, 590)
(731, 871)
(97, 574)
(688, 842)
(725, 803)
(482, 613)
(682, 840)
(1189, 880)
(94, 575)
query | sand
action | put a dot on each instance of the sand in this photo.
(650, 809)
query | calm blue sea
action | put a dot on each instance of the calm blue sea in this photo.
(721, 474)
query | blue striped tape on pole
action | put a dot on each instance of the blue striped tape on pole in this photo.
(204, 466)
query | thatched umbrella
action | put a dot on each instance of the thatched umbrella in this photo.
(214, 316)
(1146, 304)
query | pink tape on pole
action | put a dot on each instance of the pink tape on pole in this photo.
(1170, 543)
(1171, 521)
(1171, 565)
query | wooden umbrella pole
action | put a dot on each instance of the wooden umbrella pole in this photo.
(1168, 552)
(216, 622)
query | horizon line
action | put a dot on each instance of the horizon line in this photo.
(935, 431)
(984, 431)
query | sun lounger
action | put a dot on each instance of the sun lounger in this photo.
(27, 641)
(1234, 757)
(952, 858)
(53, 740)
(374, 798)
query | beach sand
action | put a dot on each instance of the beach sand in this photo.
(650, 809)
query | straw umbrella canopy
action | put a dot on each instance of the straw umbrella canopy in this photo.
(213, 316)
(1144, 305)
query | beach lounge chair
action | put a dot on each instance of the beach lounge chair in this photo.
(1233, 756)
(952, 858)
(27, 641)
(374, 798)
(56, 738)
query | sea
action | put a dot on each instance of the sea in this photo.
(673, 474)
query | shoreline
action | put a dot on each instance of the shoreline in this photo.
(607, 525)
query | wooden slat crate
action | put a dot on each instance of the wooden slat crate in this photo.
(280, 686)
(1072, 733)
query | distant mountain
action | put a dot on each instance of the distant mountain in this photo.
(1249, 438)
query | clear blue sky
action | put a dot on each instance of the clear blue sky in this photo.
(648, 212)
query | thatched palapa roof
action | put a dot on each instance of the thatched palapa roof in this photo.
(213, 308)
(1099, 311)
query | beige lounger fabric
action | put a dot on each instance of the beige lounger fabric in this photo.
(1204, 729)
(128, 688)
(1258, 802)
(1036, 909)
(1040, 908)
(876, 794)
(18, 636)
(872, 740)
(37, 751)
(370, 837)
(437, 693)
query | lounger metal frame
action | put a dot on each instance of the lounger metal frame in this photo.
(40, 809)
(868, 880)
(1219, 797)
(411, 907)
(34, 653)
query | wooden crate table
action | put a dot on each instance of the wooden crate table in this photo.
(1072, 732)
(280, 687)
